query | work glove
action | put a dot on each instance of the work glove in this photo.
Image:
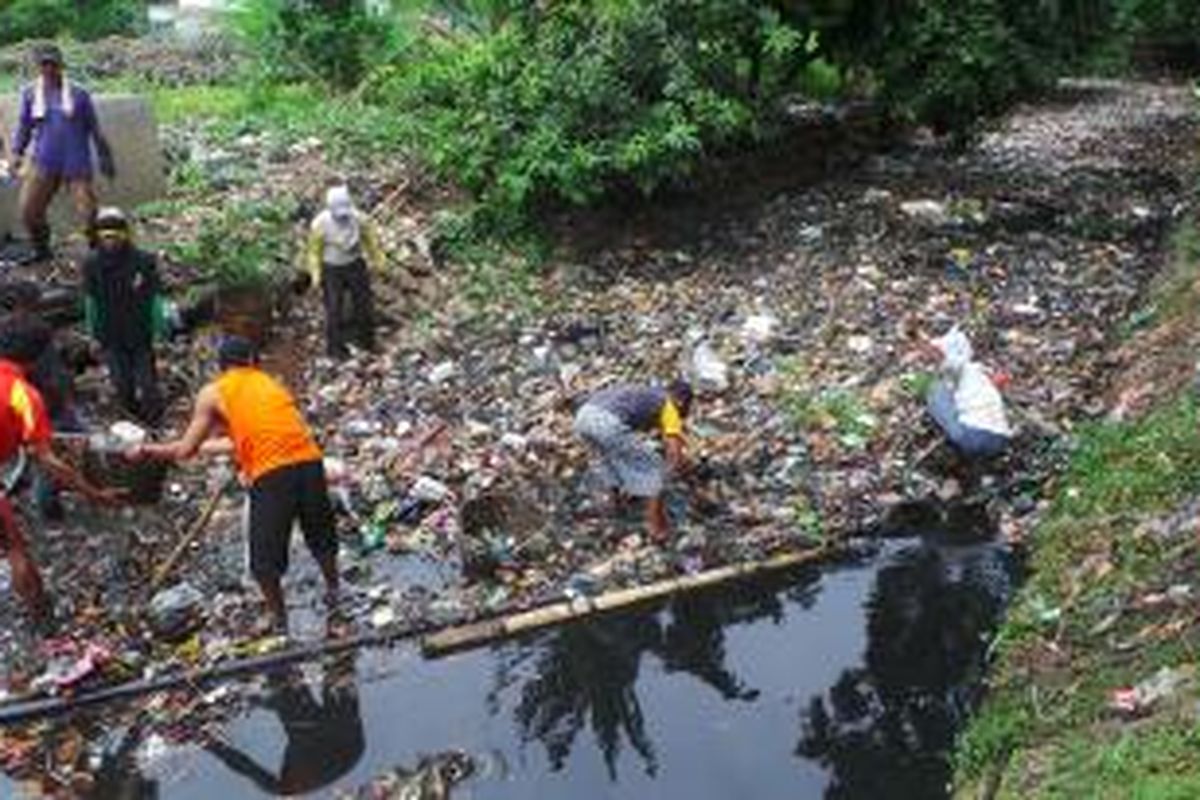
(107, 168)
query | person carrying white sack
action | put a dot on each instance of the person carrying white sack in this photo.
(965, 401)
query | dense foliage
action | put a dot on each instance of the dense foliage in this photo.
(950, 63)
(335, 42)
(83, 19)
(566, 102)
(241, 244)
(527, 104)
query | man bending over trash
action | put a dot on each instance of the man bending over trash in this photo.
(24, 424)
(610, 421)
(277, 457)
(965, 402)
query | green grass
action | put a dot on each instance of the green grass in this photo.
(1154, 764)
(1174, 295)
(179, 104)
(1122, 468)
(1046, 723)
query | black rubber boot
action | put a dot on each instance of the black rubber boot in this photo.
(40, 239)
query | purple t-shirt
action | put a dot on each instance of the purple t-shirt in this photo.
(61, 143)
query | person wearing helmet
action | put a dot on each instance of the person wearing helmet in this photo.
(343, 246)
(57, 122)
(124, 312)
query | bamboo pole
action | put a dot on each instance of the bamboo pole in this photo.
(434, 644)
(192, 534)
(20, 711)
(474, 634)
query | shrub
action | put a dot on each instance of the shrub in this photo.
(83, 19)
(568, 100)
(244, 244)
(335, 42)
(951, 62)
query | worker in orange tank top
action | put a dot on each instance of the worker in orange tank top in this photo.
(277, 457)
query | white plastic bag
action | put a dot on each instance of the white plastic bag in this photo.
(956, 349)
(708, 370)
(977, 403)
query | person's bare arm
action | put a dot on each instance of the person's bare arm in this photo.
(206, 418)
(676, 457)
(66, 475)
(217, 446)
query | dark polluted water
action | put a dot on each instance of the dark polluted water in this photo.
(848, 681)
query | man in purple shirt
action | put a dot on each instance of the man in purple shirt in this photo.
(59, 121)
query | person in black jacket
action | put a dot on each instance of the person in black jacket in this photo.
(125, 313)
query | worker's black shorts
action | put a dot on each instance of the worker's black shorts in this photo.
(277, 501)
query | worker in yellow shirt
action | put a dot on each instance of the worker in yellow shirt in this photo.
(343, 246)
(610, 421)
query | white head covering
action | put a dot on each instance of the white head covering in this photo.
(340, 227)
(340, 206)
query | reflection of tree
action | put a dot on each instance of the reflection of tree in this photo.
(884, 728)
(586, 673)
(589, 667)
(694, 640)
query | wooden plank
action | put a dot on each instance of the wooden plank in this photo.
(434, 643)
(476, 634)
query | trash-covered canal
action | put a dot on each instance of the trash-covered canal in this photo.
(845, 681)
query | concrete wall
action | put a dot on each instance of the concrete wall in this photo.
(129, 124)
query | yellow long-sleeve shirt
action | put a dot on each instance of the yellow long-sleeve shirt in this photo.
(323, 249)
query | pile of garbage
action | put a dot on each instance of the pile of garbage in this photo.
(462, 492)
(800, 328)
(166, 61)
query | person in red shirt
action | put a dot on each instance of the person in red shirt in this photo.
(25, 425)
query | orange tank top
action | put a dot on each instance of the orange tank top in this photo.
(264, 423)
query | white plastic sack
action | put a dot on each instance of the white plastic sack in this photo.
(956, 349)
(977, 402)
(708, 370)
(759, 328)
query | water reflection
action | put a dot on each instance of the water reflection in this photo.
(585, 675)
(885, 727)
(119, 777)
(324, 739)
(696, 697)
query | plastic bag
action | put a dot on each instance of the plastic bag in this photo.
(707, 368)
(966, 403)
(956, 349)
